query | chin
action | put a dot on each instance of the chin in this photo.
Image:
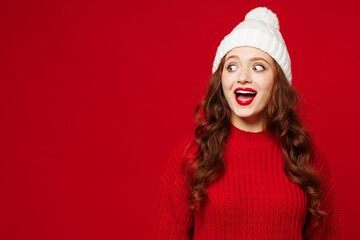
(246, 114)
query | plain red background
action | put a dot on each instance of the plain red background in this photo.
(96, 94)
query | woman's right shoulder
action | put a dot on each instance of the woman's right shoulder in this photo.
(182, 152)
(175, 168)
(184, 149)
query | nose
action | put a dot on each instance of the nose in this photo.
(244, 76)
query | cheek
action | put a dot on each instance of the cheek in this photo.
(266, 86)
(226, 83)
(226, 88)
(268, 90)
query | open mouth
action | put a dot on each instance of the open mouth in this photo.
(244, 96)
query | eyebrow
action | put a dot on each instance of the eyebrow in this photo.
(251, 59)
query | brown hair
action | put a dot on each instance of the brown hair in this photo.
(283, 122)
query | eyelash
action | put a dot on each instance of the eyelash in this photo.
(260, 66)
(228, 68)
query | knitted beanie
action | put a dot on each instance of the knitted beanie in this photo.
(260, 29)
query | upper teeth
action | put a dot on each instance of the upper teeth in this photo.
(245, 92)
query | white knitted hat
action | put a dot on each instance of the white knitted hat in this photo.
(260, 29)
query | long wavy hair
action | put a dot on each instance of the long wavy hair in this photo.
(281, 118)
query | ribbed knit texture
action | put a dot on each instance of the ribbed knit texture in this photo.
(252, 200)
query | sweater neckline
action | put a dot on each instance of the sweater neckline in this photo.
(250, 140)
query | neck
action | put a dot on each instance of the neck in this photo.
(250, 124)
(239, 138)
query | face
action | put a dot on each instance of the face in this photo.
(247, 82)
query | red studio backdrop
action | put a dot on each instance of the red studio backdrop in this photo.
(96, 94)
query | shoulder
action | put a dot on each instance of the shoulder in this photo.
(318, 159)
(173, 176)
(321, 165)
(179, 157)
(183, 152)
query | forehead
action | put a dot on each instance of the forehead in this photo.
(248, 52)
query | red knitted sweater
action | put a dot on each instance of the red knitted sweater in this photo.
(253, 199)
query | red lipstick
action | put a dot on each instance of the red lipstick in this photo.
(244, 96)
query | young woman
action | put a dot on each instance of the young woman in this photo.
(250, 171)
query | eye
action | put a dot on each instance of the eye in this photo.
(259, 68)
(231, 68)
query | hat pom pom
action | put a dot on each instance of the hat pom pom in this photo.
(265, 15)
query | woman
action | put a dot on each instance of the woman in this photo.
(250, 171)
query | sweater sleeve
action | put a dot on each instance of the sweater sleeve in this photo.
(330, 227)
(171, 216)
